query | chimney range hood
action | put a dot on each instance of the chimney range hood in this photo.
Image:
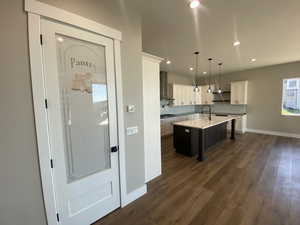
(163, 85)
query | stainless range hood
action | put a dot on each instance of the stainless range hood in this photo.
(164, 85)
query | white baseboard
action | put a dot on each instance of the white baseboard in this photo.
(134, 195)
(275, 133)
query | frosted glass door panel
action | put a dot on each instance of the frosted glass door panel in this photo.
(84, 105)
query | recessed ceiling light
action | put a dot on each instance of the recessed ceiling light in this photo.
(60, 39)
(191, 69)
(168, 62)
(194, 4)
(253, 60)
(237, 43)
(204, 73)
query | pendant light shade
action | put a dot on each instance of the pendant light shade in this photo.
(209, 90)
(196, 88)
(220, 69)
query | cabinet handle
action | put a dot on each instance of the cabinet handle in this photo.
(187, 131)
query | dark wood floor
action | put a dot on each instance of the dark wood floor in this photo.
(254, 180)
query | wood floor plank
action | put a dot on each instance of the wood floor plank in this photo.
(254, 180)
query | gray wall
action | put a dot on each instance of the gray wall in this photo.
(174, 78)
(20, 190)
(265, 96)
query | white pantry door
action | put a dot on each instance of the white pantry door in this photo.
(81, 109)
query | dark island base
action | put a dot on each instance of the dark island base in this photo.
(193, 141)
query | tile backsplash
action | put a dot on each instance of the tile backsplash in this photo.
(223, 108)
(166, 109)
(216, 108)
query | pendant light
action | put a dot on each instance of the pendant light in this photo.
(196, 88)
(209, 90)
(220, 68)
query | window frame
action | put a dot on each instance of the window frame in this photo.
(282, 95)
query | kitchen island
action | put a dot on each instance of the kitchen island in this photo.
(193, 137)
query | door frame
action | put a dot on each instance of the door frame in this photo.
(37, 10)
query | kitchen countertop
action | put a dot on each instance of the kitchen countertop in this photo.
(203, 123)
(168, 116)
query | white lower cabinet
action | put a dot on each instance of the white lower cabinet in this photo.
(240, 126)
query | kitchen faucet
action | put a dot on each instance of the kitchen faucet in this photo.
(209, 112)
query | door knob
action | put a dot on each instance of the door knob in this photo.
(114, 149)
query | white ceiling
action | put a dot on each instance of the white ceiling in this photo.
(269, 30)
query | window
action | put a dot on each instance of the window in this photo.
(99, 93)
(291, 97)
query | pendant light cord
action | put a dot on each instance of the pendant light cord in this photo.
(209, 80)
(196, 70)
(220, 67)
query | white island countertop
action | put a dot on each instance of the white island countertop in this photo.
(204, 122)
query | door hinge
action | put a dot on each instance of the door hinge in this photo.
(41, 39)
(115, 148)
(51, 163)
(46, 103)
(57, 217)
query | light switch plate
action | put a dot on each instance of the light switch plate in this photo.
(132, 130)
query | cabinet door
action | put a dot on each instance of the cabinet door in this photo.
(185, 95)
(239, 92)
(177, 94)
(182, 140)
(204, 94)
(192, 97)
(210, 96)
(207, 98)
(240, 126)
(235, 92)
(243, 89)
(198, 97)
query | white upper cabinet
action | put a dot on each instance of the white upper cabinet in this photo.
(184, 95)
(197, 96)
(177, 93)
(207, 98)
(190, 95)
(239, 91)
